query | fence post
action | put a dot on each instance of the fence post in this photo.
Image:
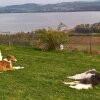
(32, 37)
(90, 44)
(90, 40)
(9, 39)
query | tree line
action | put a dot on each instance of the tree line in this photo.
(87, 28)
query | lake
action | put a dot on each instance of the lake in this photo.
(16, 22)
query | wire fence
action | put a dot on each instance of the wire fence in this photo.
(24, 39)
(86, 43)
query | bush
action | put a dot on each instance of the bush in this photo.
(49, 39)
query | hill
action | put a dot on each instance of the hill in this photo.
(59, 7)
(44, 72)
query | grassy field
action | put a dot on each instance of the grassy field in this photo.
(81, 47)
(44, 72)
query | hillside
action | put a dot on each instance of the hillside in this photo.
(59, 7)
(44, 72)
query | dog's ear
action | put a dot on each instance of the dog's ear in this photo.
(8, 57)
(11, 57)
(98, 76)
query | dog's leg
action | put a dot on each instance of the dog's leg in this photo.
(11, 68)
(77, 86)
(71, 83)
(81, 86)
(14, 68)
(77, 76)
(74, 87)
(18, 67)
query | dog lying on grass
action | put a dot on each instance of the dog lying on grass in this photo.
(6, 64)
(86, 80)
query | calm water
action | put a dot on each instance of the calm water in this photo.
(15, 22)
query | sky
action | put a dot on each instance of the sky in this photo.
(14, 2)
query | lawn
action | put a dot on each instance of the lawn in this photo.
(44, 72)
(82, 47)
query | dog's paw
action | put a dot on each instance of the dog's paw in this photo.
(64, 82)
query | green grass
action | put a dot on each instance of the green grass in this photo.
(81, 47)
(44, 72)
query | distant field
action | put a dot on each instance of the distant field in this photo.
(84, 39)
(44, 72)
(83, 42)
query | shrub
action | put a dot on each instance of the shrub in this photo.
(49, 39)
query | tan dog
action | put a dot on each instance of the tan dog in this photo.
(6, 64)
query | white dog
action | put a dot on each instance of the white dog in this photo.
(86, 80)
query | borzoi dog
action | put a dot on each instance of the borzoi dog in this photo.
(6, 64)
(86, 80)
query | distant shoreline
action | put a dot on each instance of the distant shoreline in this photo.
(47, 12)
(57, 7)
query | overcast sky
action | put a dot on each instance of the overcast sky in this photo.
(13, 2)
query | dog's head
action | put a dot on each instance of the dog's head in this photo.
(98, 76)
(11, 58)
